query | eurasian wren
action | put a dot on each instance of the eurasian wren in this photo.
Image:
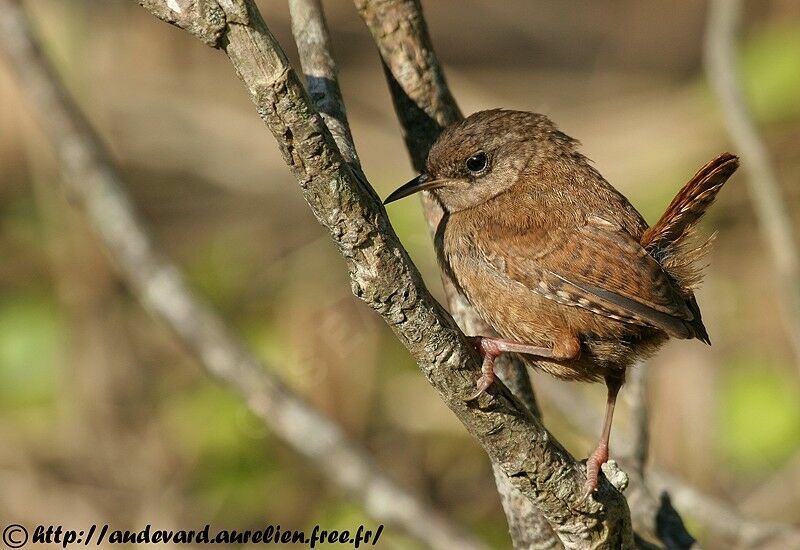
(557, 261)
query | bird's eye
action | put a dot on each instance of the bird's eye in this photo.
(477, 163)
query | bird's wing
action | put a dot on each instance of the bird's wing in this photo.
(596, 266)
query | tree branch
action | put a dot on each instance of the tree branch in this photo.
(773, 217)
(92, 179)
(424, 106)
(719, 517)
(313, 44)
(640, 413)
(527, 527)
(722, 519)
(383, 276)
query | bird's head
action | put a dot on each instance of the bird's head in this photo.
(480, 157)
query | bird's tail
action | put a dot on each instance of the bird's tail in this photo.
(690, 203)
(671, 239)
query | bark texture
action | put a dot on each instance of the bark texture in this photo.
(93, 181)
(383, 276)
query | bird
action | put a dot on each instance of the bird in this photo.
(556, 261)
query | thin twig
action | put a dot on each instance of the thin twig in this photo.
(721, 519)
(383, 276)
(314, 46)
(654, 516)
(91, 177)
(640, 415)
(774, 219)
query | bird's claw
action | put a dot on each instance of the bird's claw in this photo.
(481, 385)
(591, 483)
(588, 489)
(593, 469)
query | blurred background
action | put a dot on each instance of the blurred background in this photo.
(105, 418)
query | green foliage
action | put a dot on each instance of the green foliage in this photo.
(771, 69)
(225, 444)
(205, 419)
(220, 267)
(760, 415)
(31, 342)
(20, 226)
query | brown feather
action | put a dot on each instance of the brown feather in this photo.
(630, 287)
(690, 203)
(548, 252)
(686, 260)
(672, 240)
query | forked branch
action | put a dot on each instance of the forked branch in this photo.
(91, 178)
(383, 276)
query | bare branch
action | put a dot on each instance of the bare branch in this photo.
(652, 517)
(313, 44)
(383, 276)
(92, 179)
(640, 413)
(773, 217)
(527, 526)
(722, 519)
(421, 97)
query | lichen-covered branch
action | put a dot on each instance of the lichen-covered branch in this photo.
(91, 178)
(527, 527)
(424, 106)
(383, 276)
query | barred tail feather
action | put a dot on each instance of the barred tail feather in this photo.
(690, 203)
(673, 241)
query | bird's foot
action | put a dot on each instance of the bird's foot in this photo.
(484, 381)
(489, 351)
(593, 465)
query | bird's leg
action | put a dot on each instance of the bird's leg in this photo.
(491, 348)
(600, 454)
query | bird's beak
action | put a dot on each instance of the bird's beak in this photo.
(420, 183)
